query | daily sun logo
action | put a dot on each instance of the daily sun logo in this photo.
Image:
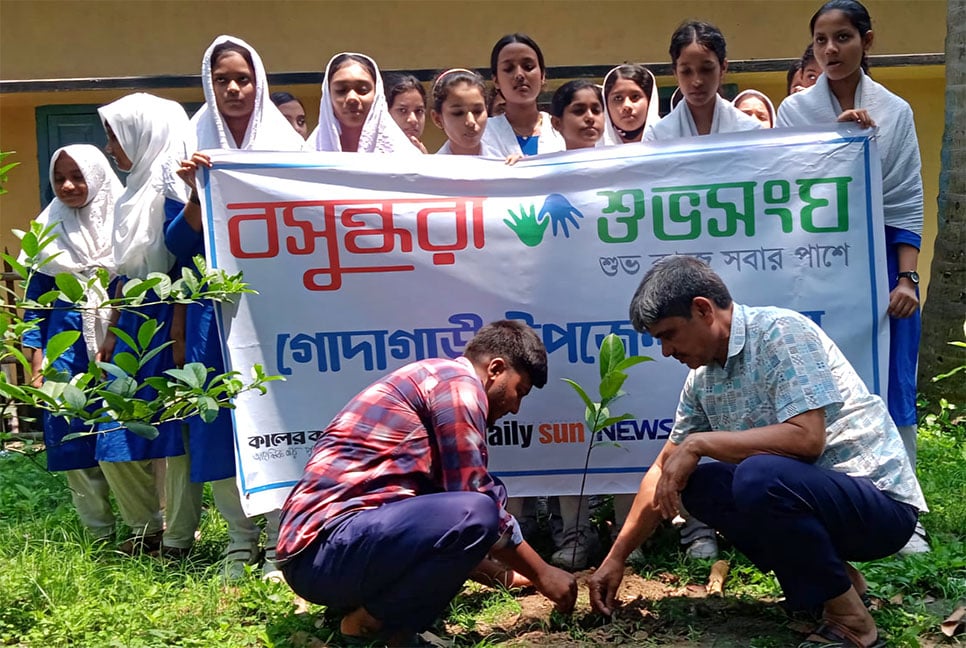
(530, 225)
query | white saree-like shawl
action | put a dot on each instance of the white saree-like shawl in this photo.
(759, 95)
(268, 130)
(155, 134)
(680, 123)
(380, 133)
(895, 134)
(499, 137)
(84, 235)
(611, 135)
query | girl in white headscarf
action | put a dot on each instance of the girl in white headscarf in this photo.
(353, 114)
(631, 103)
(755, 103)
(82, 218)
(699, 58)
(146, 136)
(238, 114)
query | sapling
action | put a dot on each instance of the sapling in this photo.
(613, 363)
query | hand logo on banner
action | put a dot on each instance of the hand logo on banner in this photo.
(530, 227)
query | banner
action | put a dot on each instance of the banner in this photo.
(364, 263)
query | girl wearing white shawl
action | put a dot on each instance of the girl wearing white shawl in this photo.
(238, 114)
(631, 103)
(353, 114)
(519, 74)
(257, 124)
(756, 104)
(82, 216)
(845, 93)
(699, 57)
(146, 137)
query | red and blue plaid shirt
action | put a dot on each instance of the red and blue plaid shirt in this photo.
(417, 431)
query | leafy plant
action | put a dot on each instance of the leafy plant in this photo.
(5, 169)
(112, 395)
(613, 362)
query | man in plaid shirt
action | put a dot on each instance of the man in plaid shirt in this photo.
(396, 507)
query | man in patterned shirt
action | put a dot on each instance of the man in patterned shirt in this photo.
(396, 507)
(810, 471)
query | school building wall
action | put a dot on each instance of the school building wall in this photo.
(103, 49)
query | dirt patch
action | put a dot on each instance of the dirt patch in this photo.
(653, 612)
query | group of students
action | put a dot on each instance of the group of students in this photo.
(153, 224)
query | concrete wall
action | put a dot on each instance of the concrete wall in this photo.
(44, 39)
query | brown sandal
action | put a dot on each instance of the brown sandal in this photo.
(833, 635)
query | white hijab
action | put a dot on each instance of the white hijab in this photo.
(380, 133)
(83, 242)
(680, 123)
(499, 136)
(611, 135)
(268, 130)
(895, 134)
(155, 134)
(759, 95)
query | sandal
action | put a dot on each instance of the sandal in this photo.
(833, 635)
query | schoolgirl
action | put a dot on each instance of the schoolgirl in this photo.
(145, 135)
(699, 58)
(82, 216)
(519, 74)
(841, 37)
(292, 109)
(353, 113)
(755, 103)
(406, 97)
(630, 103)
(459, 110)
(236, 115)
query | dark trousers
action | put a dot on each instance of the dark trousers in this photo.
(404, 562)
(799, 520)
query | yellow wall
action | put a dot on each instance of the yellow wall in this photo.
(56, 39)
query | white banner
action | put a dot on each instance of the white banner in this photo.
(364, 263)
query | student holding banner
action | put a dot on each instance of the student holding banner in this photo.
(396, 506)
(459, 110)
(519, 74)
(699, 58)
(353, 114)
(809, 471)
(842, 35)
(238, 114)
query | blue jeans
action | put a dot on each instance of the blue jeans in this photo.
(404, 562)
(799, 520)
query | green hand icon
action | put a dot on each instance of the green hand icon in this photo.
(526, 226)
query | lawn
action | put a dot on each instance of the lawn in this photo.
(58, 589)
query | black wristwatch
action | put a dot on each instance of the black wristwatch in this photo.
(912, 275)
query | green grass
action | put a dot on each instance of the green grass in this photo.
(58, 589)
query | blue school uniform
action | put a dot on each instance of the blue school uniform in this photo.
(120, 444)
(211, 445)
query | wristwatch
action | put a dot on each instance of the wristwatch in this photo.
(912, 275)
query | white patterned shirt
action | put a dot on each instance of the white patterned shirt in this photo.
(781, 364)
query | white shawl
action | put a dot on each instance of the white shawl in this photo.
(499, 137)
(760, 95)
(380, 133)
(83, 242)
(680, 123)
(155, 134)
(268, 130)
(895, 133)
(485, 151)
(611, 136)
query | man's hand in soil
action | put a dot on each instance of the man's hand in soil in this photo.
(603, 585)
(559, 586)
